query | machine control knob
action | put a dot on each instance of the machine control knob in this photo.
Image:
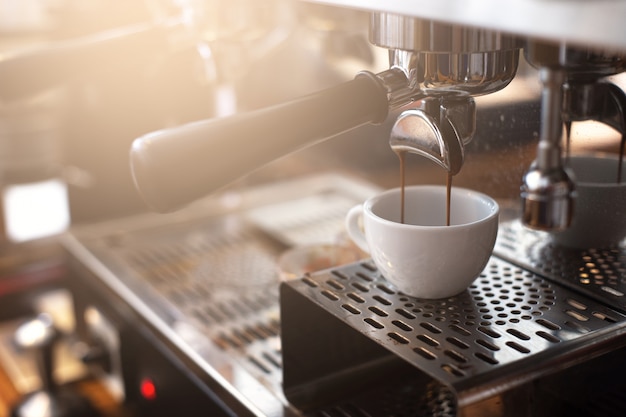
(39, 336)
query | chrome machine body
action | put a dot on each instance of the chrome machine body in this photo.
(189, 301)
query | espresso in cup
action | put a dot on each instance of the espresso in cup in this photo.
(423, 256)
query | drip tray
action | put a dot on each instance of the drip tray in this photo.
(346, 328)
(598, 273)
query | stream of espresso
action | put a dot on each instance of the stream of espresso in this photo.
(621, 159)
(448, 199)
(402, 157)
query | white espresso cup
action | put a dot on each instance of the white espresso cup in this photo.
(423, 257)
(600, 207)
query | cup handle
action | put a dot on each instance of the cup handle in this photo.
(354, 229)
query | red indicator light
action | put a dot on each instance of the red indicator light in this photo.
(148, 389)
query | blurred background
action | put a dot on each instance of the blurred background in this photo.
(98, 74)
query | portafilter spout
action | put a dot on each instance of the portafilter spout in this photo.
(437, 129)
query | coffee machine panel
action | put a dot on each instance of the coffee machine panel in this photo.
(200, 314)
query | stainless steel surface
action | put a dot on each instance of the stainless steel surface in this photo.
(398, 82)
(207, 278)
(450, 64)
(344, 340)
(574, 90)
(598, 23)
(449, 59)
(597, 273)
(410, 34)
(548, 192)
(437, 129)
(510, 327)
(467, 73)
(580, 61)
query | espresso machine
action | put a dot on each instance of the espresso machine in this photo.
(187, 312)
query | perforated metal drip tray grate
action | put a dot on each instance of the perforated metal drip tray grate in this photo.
(598, 273)
(344, 342)
(207, 279)
(510, 327)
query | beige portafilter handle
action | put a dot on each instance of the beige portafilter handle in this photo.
(176, 166)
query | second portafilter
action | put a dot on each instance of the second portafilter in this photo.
(574, 88)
